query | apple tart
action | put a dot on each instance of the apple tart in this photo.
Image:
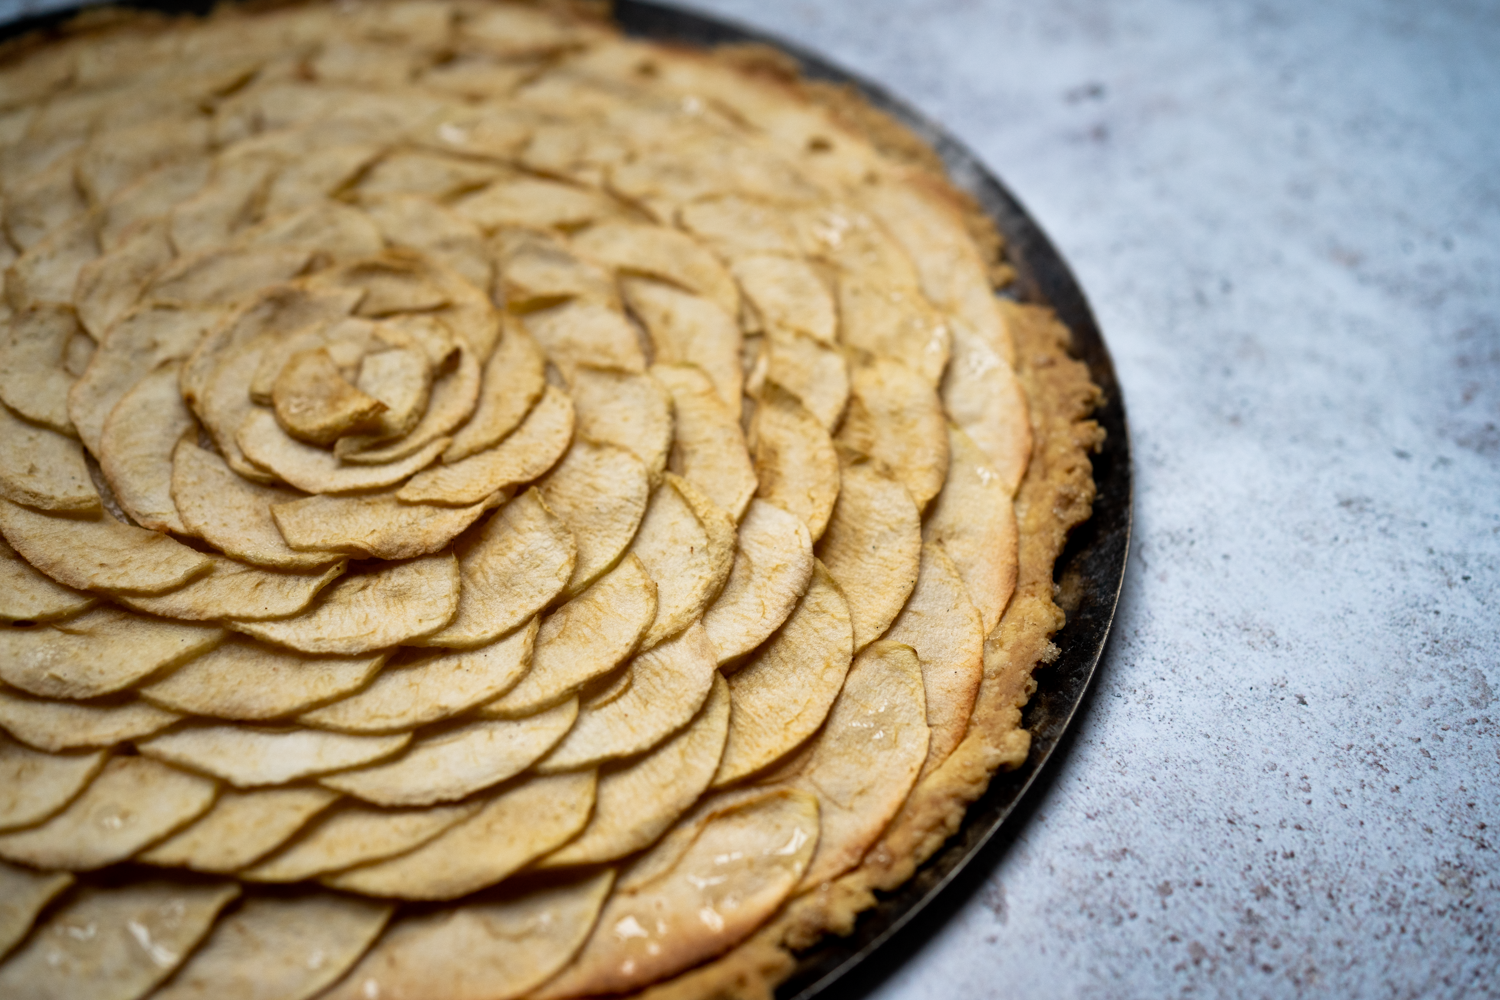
(492, 508)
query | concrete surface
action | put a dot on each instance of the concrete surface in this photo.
(1287, 217)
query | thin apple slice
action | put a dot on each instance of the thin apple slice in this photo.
(42, 468)
(783, 694)
(686, 544)
(708, 446)
(638, 800)
(975, 521)
(56, 726)
(492, 950)
(318, 471)
(252, 756)
(895, 417)
(873, 546)
(815, 373)
(365, 612)
(577, 333)
(528, 453)
(795, 460)
(662, 253)
(537, 271)
(115, 943)
(659, 693)
(243, 679)
(513, 826)
(585, 638)
(135, 448)
(706, 891)
(866, 759)
(28, 596)
(600, 493)
(625, 409)
(514, 378)
(510, 569)
(279, 948)
(313, 401)
(239, 591)
(947, 632)
(352, 833)
(788, 295)
(33, 379)
(240, 829)
(431, 688)
(374, 524)
(773, 564)
(233, 514)
(38, 785)
(132, 802)
(25, 893)
(533, 203)
(450, 764)
(985, 399)
(688, 329)
(99, 553)
(98, 652)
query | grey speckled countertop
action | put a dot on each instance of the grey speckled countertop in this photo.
(1287, 218)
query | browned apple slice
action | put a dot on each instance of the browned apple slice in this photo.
(783, 694)
(365, 612)
(108, 961)
(240, 829)
(873, 546)
(38, 784)
(584, 639)
(509, 569)
(788, 295)
(659, 693)
(695, 895)
(136, 444)
(492, 950)
(417, 691)
(514, 825)
(313, 401)
(252, 756)
(99, 553)
(132, 802)
(243, 679)
(449, 764)
(97, 652)
(537, 271)
(455, 393)
(533, 203)
(975, 521)
(110, 284)
(708, 446)
(224, 276)
(772, 566)
(815, 373)
(55, 726)
(420, 223)
(42, 468)
(287, 948)
(638, 799)
(984, 398)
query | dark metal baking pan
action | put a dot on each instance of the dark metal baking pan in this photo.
(1090, 572)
